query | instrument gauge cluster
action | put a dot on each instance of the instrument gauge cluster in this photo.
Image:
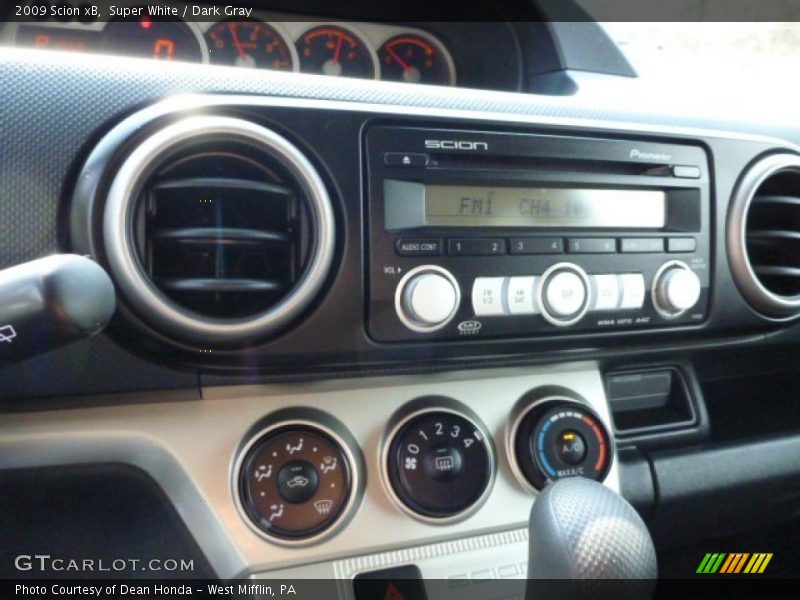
(391, 52)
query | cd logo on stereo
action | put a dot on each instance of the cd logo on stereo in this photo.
(455, 145)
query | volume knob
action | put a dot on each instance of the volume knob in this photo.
(427, 298)
(676, 289)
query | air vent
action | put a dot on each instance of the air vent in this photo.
(221, 234)
(218, 231)
(764, 236)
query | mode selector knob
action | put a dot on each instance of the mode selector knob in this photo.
(676, 289)
(427, 298)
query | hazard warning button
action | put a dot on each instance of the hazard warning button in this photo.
(397, 583)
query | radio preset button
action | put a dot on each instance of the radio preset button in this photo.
(488, 297)
(427, 298)
(681, 244)
(476, 247)
(608, 294)
(521, 296)
(633, 290)
(537, 245)
(419, 247)
(641, 245)
(591, 245)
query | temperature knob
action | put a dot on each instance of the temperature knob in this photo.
(557, 438)
(427, 298)
(676, 289)
(440, 463)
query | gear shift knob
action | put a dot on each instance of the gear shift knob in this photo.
(588, 542)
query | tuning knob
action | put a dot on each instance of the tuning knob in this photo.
(427, 298)
(676, 289)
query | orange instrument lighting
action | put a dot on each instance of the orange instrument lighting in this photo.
(41, 40)
(163, 49)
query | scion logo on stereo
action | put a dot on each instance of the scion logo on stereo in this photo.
(455, 145)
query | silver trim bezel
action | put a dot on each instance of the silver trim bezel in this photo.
(356, 488)
(277, 26)
(155, 307)
(521, 411)
(372, 51)
(542, 286)
(767, 303)
(398, 298)
(454, 408)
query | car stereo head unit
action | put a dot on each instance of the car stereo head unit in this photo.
(488, 234)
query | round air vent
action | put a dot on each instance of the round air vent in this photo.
(217, 231)
(764, 236)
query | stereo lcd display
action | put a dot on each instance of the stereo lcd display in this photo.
(479, 206)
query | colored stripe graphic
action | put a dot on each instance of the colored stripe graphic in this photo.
(737, 560)
(711, 562)
(733, 563)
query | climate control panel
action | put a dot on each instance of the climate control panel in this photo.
(301, 476)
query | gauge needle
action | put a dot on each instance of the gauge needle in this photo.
(403, 64)
(338, 50)
(236, 41)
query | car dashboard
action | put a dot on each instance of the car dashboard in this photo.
(361, 321)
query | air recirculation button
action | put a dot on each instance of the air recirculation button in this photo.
(440, 463)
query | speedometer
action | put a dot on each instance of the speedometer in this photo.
(159, 40)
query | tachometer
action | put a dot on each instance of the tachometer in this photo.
(159, 40)
(334, 50)
(249, 44)
(414, 59)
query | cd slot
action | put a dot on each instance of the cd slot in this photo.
(542, 164)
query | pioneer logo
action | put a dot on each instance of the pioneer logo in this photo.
(636, 153)
(455, 145)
